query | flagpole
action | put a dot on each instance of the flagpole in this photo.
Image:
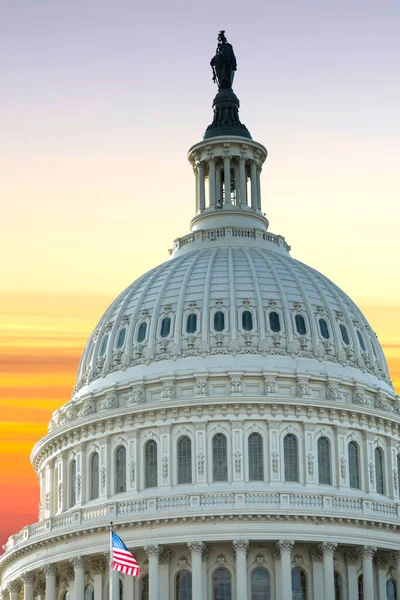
(111, 561)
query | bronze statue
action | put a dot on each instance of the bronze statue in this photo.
(223, 63)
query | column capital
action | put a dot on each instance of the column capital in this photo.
(316, 554)
(77, 562)
(352, 557)
(381, 561)
(14, 586)
(98, 566)
(241, 545)
(5, 594)
(165, 557)
(153, 550)
(285, 546)
(328, 548)
(28, 577)
(197, 547)
(50, 570)
(368, 551)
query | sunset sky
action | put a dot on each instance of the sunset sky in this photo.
(100, 101)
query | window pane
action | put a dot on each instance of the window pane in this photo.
(94, 476)
(165, 327)
(151, 464)
(361, 341)
(222, 588)
(220, 459)
(89, 592)
(345, 335)
(291, 458)
(72, 479)
(300, 324)
(323, 327)
(121, 338)
(104, 345)
(144, 588)
(191, 323)
(338, 586)
(141, 336)
(256, 465)
(219, 321)
(380, 485)
(360, 588)
(324, 461)
(354, 466)
(120, 470)
(391, 590)
(121, 590)
(299, 584)
(183, 586)
(247, 320)
(260, 589)
(274, 322)
(184, 459)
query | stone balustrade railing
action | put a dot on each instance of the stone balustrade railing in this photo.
(229, 232)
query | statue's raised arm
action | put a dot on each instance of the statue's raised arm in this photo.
(223, 63)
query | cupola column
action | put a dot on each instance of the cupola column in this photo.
(79, 571)
(242, 180)
(211, 181)
(254, 184)
(328, 550)
(197, 549)
(202, 188)
(241, 547)
(50, 574)
(367, 553)
(227, 178)
(352, 577)
(258, 170)
(285, 548)
(382, 569)
(29, 580)
(153, 552)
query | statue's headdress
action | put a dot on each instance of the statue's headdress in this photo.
(221, 36)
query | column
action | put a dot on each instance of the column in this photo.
(241, 547)
(317, 573)
(227, 179)
(211, 181)
(218, 188)
(14, 589)
(328, 550)
(163, 570)
(29, 580)
(258, 187)
(197, 551)
(237, 185)
(285, 547)
(153, 552)
(98, 570)
(50, 575)
(79, 571)
(352, 577)
(381, 566)
(396, 556)
(242, 181)
(196, 184)
(202, 190)
(253, 177)
(128, 593)
(114, 583)
(367, 554)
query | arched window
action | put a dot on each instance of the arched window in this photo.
(141, 334)
(121, 590)
(324, 461)
(379, 475)
(144, 588)
(299, 584)
(104, 343)
(291, 458)
(222, 585)
(121, 338)
(345, 335)
(274, 322)
(361, 340)
(360, 588)
(300, 324)
(324, 329)
(219, 320)
(94, 476)
(184, 459)
(338, 586)
(72, 483)
(260, 587)
(89, 592)
(165, 327)
(256, 463)
(183, 585)
(220, 457)
(120, 470)
(391, 590)
(247, 320)
(150, 467)
(354, 466)
(66, 595)
(191, 323)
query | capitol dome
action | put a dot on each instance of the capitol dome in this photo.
(233, 415)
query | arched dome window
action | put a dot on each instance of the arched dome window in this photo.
(219, 320)
(184, 453)
(344, 334)
(121, 338)
(291, 458)
(260, 586)
(324, 461)
(191, 323)
(72, 483)
(94, 476)
(183, 585)
(104, 343)
(354, 466)
(360, 588)
(379, 471)
(222, 584)
(338, 586)
(141, 334)
(247, 320)
(120, 470)
(361, 340)
(274, 322)
(391, 590)
(165, 327)
(220, 457)
(324, 329)
(256, 463)
(89, 592)
(144, 588)
(150, 466)
(299, 584)
(300, 324)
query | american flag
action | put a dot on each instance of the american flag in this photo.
(123, 560)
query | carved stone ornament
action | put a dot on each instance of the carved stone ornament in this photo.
(28, 577)
(137, 395)
(368, 551)
(47, 501)
(60, 490)
(269, 385)
(109, 402)
(14, 586)
(303, 388)
(153, 550)
(103, 476)
(297, 561)
(241, 546)
(221, 560)
(78, 484)
(98, 566)
(196, 547)
(328, 548)
(316, 554)
(78, 562)
(132, 471)
(395, 479)
(333, 391)
(371, 469)
(275, 462)
(201, 386)
(343, 467)
(168, 390)
(381, 561)
(260, 560)
(310, 464)
(200, 463)
(285, 546)
(164, 466)
(88, 408)
(352, 558)
(359, 397)
(238, 462)
(50, 570)
(165, 557)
